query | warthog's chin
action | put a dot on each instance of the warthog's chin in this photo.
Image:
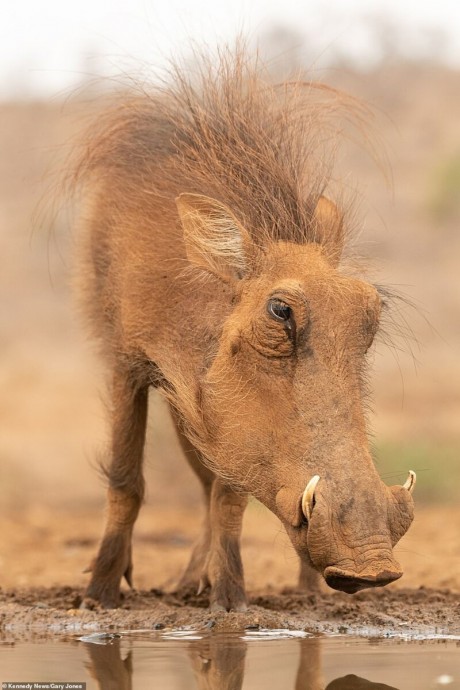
(347, 582)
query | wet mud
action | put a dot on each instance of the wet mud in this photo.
(407, 613)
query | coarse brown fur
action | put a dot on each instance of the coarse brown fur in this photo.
(205, 215)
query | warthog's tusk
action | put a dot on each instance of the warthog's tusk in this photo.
(308, 496)
(410, 482)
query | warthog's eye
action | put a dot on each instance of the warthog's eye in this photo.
(282, 312)
(278, 310)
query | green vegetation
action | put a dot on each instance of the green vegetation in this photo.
(437, 466)
(445, 196)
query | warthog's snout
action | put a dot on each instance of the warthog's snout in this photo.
(349, 536)
(351, 583)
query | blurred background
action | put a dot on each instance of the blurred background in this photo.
(59, 62)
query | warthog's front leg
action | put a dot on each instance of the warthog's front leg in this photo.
(223, 566)
(216, 559)
(125, 493)
(191, 577)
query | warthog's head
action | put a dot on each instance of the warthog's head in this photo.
(282, 399)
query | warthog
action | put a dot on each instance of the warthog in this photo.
(211, 270)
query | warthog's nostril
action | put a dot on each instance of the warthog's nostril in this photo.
(351, 583)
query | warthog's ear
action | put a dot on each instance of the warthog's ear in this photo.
(214, 239)
(328, 229)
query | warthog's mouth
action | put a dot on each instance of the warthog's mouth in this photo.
(349, 583)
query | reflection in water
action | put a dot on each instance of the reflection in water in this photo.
(108, 668)
(309, 671)
(218, 663)
(355, 683)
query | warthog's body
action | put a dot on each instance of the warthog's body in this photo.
(211, 272)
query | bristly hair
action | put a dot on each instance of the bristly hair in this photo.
(223, 129)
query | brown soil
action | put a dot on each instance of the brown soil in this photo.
(43, 553)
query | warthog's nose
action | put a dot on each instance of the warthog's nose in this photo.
(351, 583)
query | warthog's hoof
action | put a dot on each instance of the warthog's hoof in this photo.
(225, 595)
(102, 594)
(239, 607)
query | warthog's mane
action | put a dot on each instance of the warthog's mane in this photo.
(222, 128)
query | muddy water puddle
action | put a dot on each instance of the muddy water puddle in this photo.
(253, 660)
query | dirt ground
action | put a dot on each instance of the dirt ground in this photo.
(42, 582)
